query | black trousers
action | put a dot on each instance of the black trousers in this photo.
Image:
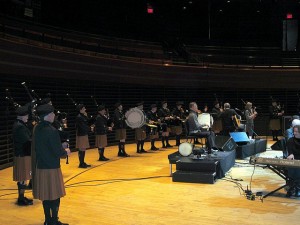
(209, 135)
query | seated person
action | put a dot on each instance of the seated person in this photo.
(195, 127)
(289, 133)
(293, 147)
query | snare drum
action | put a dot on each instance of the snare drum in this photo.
(185, 149)
(135, 118)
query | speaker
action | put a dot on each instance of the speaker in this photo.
(225, 143)
(279, 145)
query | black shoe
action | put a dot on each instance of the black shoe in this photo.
(169, 146)
(84, 165)
(29, 200)
(57, 222)
(154, 148)
(103, 159)
(23, 202)
(138, 151)
(143, 151)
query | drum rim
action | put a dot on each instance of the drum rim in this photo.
(137, 124)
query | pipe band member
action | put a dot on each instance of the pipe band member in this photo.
(48, 184)
(140, 133)
(82, 138)
(178, 114)
(21, 136)
(101, 129)
(120, 125)
(276, 114)
(153, 120)
(166, 119)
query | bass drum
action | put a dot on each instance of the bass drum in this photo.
(135, 118)
(185, 149)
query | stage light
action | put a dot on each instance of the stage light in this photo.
(150, 9)
(289, 16)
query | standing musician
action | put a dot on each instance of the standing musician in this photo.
(82, 130)
(228, 116)
(22, 154)
(276, 114)
(140, 133)
(250, 115)
(216, 113)
(196, 129)
(166, 119)
(102, 126)
(153, 119)
(178, 114)
(48, 184)
(120, 125)
(293, 147)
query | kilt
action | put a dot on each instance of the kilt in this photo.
(22, 168)
(275, 124)
(48, 184)
(154, 136)
(140, 134)
(101, 141)
(176, 130)
(120, 134)
(82, 141)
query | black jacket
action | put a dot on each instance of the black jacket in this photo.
(21, 139)
(101, 125)
(48, 148)
(82, 125)
(119, 119)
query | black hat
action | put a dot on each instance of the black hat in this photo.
(45, 101)
(179, 103)
(44, 109)
(163, 102)
(23, 110)
(79, 107)
(118, 104)
(153, 106)
(100, 108)
(216, 102)
(140, 103)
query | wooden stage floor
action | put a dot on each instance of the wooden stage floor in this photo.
(139, 190)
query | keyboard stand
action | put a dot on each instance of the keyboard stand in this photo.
(283, 173)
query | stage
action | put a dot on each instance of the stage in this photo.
(139, 190)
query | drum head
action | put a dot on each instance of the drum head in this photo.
(135, 118)
(185, 149)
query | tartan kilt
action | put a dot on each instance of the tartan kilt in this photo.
(176, 130)
(101, 141)
(140, 134)
(48, 184)
(22, 168)
(154, 136)
(120, 134)
(82, 141)
(275, 124)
